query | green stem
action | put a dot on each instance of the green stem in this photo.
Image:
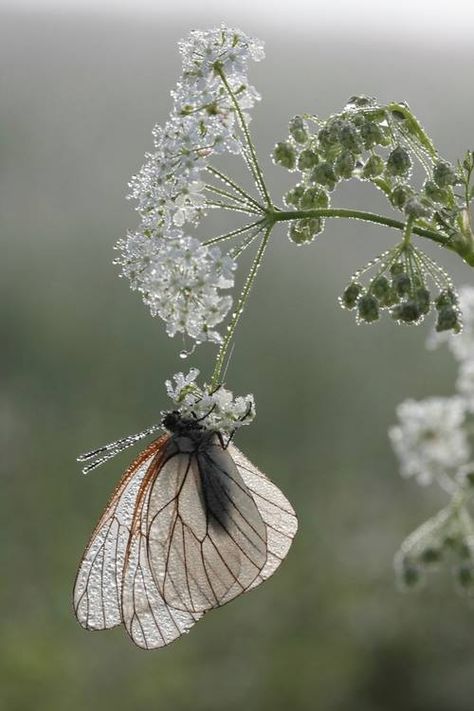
(257, 171)
(232, 184)
(226, 206)
(285, 215)
(224, 193)
(234, 233)
(239, 308)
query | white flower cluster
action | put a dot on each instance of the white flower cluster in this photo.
(179, 279)
(431, 439)
(169, 187)
(215, 409)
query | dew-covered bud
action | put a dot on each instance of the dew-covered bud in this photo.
(349, 137)
(423, 299)
(398, 162)
(371, 135)
(304, 231)
(368, 308)
(435, 193)
(401, 283)
(465, 576)
(293, 196)
(344, 164)
(397, 268)
(350, 295)
(414, 207)
(431, 555)
(389, 299)
(360, 101)
(314, 198)
(380, 287)
(399, 195)
(307, 160)
(447, 297)
(284, 154)
(329, 134)
(407, 311)
(444, 174)
(410, 574)
(448, 319)
(374, 166)
(324, 174)
(298, 130)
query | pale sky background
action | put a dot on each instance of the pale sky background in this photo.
(422, 19)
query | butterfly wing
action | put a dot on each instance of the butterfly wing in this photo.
(275, 510)
(207, 541)
(98, 584)
(148, 619)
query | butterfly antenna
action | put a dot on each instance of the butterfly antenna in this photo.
(103, 454)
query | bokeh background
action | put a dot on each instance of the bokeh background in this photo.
(82, 363)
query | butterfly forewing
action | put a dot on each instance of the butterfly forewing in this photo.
(149, 621)
(97, 589)
(207, 541)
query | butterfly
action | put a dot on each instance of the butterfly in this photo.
(191, 525)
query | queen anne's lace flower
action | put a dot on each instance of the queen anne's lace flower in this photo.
(180, 279)
(430, 441)
(215, 409)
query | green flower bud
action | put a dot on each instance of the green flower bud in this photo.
(398, 162)
(349, 137)
(465, 576)
(401, 283)
(350, 295)
(444, 174)
(293, 196)
(431, 555)
(360, 101)
(407, 311)
(389, 299)
(284, 154)
(344, 164)
(314, 198)
(423, 299)
(368, 308)
(447, 297)
(397, 268)
(433, 192)
(371, 134)
(373, 167)
(448, 320)
(324, 174)
(416, 208)
(329, 134)
(304, 231)
(307, 159)
(298, 130)
(380, 287)
(411, 574)
(400, 195)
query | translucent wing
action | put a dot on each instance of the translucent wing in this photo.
(207, 541)
(149, 621)
(98, 584)
(275, 510)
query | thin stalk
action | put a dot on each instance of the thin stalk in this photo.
(258, 174)
(239, 308)
(230, 196)
(234, 233)
(226, 206)
(231, 183)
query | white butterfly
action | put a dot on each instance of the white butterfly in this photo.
(191, 525)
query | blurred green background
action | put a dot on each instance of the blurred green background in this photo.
(83, 363)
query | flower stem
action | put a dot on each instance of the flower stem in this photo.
(239, 308)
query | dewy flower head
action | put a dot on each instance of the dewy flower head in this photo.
(430, 441)
(216, 410)
(180, 280)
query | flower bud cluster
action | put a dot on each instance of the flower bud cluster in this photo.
(214, 409)
(400, 282)
(374, 143)
(179, 278)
